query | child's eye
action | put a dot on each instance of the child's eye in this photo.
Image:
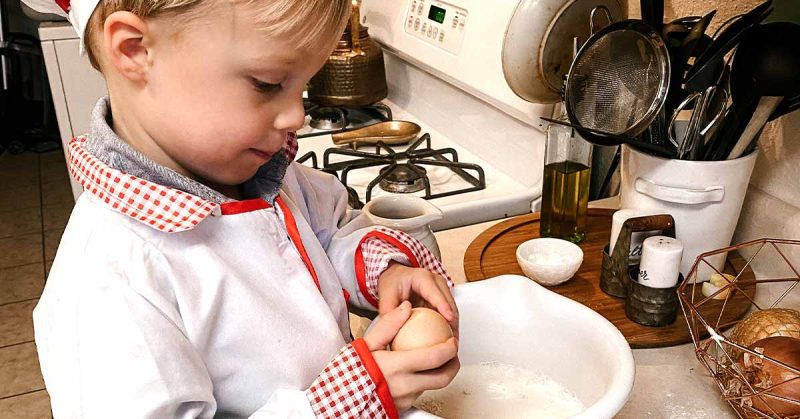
(265, 87)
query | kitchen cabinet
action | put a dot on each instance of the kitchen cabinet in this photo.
(74, 84)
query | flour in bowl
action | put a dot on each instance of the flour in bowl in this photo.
(493, 389)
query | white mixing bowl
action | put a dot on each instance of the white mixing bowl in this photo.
(511, 320)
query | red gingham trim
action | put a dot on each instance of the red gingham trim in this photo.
(162, 208)
(64, 5)
(294, 235)
(381, 246)
(351, 386)
(381, 385)
(290, 148)
(241, 207)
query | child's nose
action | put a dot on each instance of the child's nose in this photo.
(292, 117)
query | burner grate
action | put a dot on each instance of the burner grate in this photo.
(414, 159)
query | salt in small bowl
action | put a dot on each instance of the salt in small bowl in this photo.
(549, 261)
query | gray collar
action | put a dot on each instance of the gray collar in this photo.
(106, 145)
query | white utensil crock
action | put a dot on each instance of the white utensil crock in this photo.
(704, 197)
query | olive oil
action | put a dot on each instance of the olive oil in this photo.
(565, 200)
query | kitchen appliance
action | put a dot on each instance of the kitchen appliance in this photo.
(490, 49)
(454, 87)
(354, 74)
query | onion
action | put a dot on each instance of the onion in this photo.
(766, 323)
(424, 328)
(763, 374)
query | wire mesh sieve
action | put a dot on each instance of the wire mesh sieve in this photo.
(619, 80)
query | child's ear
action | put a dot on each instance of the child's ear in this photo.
(125, 37)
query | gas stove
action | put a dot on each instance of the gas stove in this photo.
(479, 156)
(467, 188)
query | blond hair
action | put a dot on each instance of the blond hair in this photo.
(304, 21)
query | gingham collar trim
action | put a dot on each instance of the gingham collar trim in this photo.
(165, 209)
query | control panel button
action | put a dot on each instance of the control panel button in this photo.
(410, 22)
(455, 22)
(414, 5)
(416, 24)
(430, 31)
(424, 27)
(441, 36)
(435, 32)
(421, 8)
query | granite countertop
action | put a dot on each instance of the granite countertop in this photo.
(670, 382)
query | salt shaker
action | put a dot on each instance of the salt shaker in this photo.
(661, 262)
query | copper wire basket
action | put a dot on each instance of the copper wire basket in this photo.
(707, 321)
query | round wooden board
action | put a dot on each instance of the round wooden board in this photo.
(493, 253)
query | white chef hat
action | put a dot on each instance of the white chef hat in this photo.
(77, 11)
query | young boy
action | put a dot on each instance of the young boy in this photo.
(202, 272)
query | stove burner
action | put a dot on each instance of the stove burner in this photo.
(403, 178)
(328, 118)
(401, 171)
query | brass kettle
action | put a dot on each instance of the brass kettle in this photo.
(354, 74)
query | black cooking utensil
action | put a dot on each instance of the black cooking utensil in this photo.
(608, 138)
(788, 105)
(771, 60)
(766, 64)
(653, 13)
(701, 74)
(690, 42)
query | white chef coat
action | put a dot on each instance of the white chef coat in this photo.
(221, 317)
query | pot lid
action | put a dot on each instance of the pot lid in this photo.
(538, 47)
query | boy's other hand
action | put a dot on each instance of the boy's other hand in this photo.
(420, 286)
(409, 373)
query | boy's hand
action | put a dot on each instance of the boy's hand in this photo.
(420, 286)
(409, 373)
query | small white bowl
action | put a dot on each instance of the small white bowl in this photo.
(549, 261)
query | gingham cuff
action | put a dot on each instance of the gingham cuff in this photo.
(383, 246)
(352, 386)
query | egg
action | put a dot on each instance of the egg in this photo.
(424, 328)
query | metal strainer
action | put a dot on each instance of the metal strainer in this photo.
(619, 79)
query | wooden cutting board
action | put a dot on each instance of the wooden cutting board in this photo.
(493, 253)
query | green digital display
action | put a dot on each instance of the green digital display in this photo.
(437, 14)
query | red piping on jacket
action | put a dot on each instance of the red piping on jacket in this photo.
(360, 268)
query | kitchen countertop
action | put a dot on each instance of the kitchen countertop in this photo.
(670, 382)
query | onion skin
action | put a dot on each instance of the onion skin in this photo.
(764, 374)
(766, 323)
(423, 329)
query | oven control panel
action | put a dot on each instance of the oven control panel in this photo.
(437, 23)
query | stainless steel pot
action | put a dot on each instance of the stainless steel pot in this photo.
(354, 74)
